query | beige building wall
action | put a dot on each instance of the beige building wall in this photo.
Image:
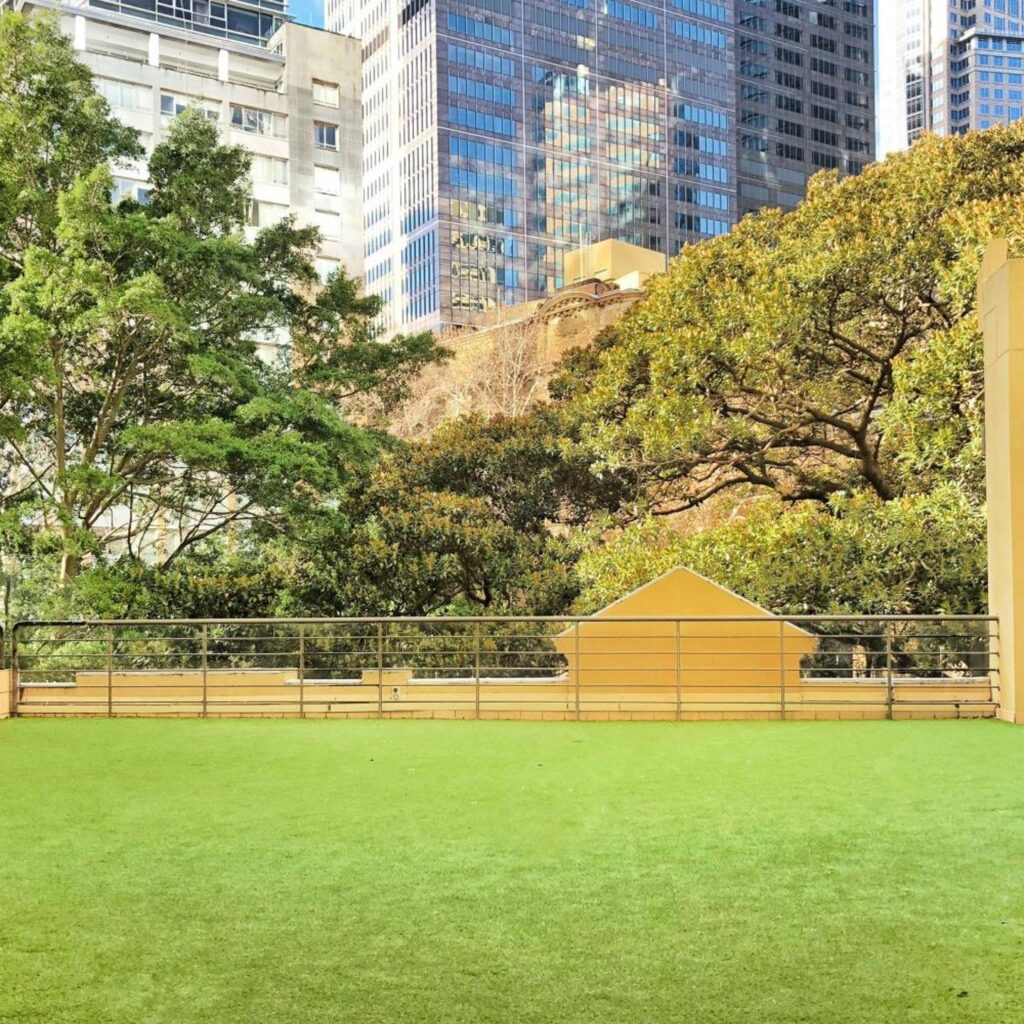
(140, 66)
(1001, 311)
(504, 365)
(748, 650)
(612, 260)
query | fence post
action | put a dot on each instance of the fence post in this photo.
(204, 654)
(679, 676)
(888, 670)
(380, 669)
(110, 671)
(579, 670)
(476, 667)
(15, 675)
(782, 669)
(302, 671)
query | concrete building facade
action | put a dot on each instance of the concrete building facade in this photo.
(288, 93)
(501, 134)
(948, 67)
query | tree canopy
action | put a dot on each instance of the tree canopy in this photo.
(820, 351)
(803, 398)
(795, 410)
(145, 405)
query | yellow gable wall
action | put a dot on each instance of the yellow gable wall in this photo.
(760, 656)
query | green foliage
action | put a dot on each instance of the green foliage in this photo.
(201, 584)
(138, 399)
(808, 388)
(54, 128)
(858, 555)
(830, 358)
(458, 523)
(821, 351)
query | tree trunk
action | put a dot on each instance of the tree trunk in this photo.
(69, 566)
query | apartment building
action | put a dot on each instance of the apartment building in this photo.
(288, 93)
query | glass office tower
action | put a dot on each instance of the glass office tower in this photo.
(499, 134)
(805, 98)
(949, 66)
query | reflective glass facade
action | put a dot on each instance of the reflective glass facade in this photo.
(501, 133)
(805, 96)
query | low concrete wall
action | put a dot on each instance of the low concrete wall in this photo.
(277, 694)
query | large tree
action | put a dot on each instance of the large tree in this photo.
(820, 351)
(53, 128)
(143, 408)
(475, 518)
(802, 400)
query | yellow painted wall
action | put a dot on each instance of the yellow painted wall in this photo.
(1001, 312)
(762, 656)
(612, 260)
(140, 694)
(6, 694)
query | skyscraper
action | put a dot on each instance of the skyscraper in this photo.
(805, 98)
(499, 134)
(948, 66)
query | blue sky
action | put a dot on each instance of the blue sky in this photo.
(307, 12)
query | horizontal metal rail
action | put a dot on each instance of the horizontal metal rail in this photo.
(477, 619)
(479, 666)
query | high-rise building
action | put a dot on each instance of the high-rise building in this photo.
(805, 95)
(948, 66)
(290, 94)
(500, 134)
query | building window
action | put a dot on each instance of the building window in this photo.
(326, 180)
(325, 93)
(325, 135)
(328, 223)
(263, 215)
(325, 267)
(124, 96)
(258, 122)
(124, 188)
(173, 104)
(269, 170)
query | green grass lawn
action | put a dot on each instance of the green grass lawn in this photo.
(428, 872)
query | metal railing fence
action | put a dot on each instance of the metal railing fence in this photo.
(569, 667)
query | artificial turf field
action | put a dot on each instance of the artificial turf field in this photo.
(400, 871)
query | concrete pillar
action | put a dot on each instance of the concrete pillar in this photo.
(154, 50)
(7, 700)
(223, 66)
(1001, 312)
(78, 35)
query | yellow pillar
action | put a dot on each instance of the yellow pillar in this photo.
(1001, 311)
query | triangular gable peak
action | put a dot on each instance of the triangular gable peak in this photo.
(684, 594)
